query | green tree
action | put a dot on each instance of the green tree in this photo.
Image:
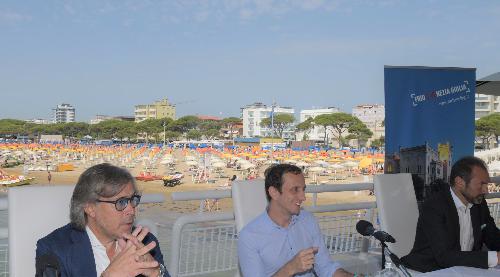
(488, 128)
(282, 121)
(378, 143)
(324, 120)
(193, 134)
(184, 124)
(305, 127)
(230, 123)
(360, 132)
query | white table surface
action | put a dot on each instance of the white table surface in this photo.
(462, 271)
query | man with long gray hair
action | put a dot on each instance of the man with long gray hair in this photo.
(100, 240)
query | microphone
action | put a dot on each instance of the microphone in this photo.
(47, 265)
(365, 228)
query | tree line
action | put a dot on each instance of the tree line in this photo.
(190, 127)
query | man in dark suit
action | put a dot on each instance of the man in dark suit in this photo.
(455, 223)
(101, 239)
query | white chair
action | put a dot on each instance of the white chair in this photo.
(249, 200)
(397, 210)
(34, 212)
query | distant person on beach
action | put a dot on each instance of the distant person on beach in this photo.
(49, 176)
(285, 240)
(101, 239)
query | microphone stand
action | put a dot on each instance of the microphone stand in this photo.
(394, 258)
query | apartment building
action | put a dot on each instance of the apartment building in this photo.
(156, 110)
(64, 113)
(253, 114)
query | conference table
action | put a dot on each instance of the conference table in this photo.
(462, 271)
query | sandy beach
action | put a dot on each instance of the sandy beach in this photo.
(71, 177)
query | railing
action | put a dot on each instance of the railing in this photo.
(198, 249)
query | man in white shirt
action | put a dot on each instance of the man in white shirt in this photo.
(456, 222)
(101, 239)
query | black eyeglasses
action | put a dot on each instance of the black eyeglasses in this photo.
(122, 203)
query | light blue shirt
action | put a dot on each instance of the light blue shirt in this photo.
(264, 246)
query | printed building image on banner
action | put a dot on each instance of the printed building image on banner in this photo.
(429, 121)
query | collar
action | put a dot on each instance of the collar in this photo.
(271, 222)
(458, 203)
(93, 239)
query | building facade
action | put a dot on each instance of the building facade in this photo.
(64, 113)
(373, 116)
(253, 114)
(317, 133)
(100, 118)
(156, 110)
(486, 104)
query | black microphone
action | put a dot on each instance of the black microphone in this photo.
(47, 265)
(365, 228)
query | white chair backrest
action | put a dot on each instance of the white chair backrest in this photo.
(249, 200)
(34, 212)
(397, 210)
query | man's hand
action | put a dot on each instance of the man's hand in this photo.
(303, 261)
(136, 238)
(128, 261)
(342, 273)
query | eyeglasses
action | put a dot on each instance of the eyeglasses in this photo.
(122, 203)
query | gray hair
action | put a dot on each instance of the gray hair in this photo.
(102, 180)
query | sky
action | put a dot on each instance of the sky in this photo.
(215, 57)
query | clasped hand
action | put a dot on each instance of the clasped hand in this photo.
(133, 257)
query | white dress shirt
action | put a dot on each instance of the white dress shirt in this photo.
(466, 233)
(100, 256)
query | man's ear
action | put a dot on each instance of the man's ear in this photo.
(459, 182)
(90, 209)
(273, 192)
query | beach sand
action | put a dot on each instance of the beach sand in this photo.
(71, 177)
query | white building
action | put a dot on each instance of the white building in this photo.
(486, 104)
(317, 133)
(252, 116)
(38, 121)
(372, 116)
(64, 113)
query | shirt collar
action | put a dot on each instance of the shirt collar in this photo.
(270, 221)
(93, 239)
(458, 203)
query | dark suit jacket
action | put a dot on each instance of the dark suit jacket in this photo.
(74, 252)
(437, 240)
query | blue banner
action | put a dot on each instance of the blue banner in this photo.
(429, 120)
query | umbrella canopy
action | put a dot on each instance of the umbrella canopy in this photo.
(336, 166)
(350, 164)
(247, 166)
(219, 164)
(489, 85)
(302, 164)
(316, 169)
(191, 163)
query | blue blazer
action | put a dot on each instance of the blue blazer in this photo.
(74, 252)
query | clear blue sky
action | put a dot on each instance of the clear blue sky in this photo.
(214, 57)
